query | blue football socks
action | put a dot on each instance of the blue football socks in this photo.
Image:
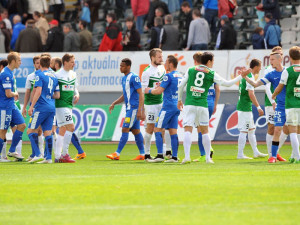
(1, 144)
(33, 137)
(139, 140)
(159, 142)
(201, 147)
(122, 142)
(48, 147)
(75, 142)
(174, 144)
(17, 137)
(275, 145)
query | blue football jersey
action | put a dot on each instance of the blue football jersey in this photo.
(274, 78)
(130, 83)
(49, 84)
(170, 83)
(211, 95)
(6, 82)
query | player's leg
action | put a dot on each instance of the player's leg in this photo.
(167, 145)
(279, 123)
(41, 140)
(76, 142)
(5, 119)
(243, 126)
(139, 140)
(283, 136)
(292, 120)
(19, 145)
(270, 133)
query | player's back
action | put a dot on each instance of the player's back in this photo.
(200, 78)
(6, 82)
(130, 83)
(48, 82)
(171, 82)
(293, 87)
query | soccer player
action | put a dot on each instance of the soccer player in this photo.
(198, 79)
(279, 120)
(152, 77)
(29, 85)
(55, 64)
(69, 95)
(168, 116)
(270, 106)
(290, 79)
(42, 110)
(134, 102)
(245, 116)
(9, 112)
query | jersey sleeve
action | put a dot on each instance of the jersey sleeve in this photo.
(145, 80)
(38, 80)
(136, 82)
(166, 81)
(76, 92)
(27, 84)
(266, 79)
(7, 81)
(249, 86)
(227, 83)
(284, 77)
(182, 85)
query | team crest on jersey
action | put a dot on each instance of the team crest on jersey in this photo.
(7, 78)
(37, 78)
(165, 78)
(202, 69)
(297, 69)
(66, 87)
(127, 120)
(137, 79)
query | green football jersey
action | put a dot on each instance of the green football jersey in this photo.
(200, 78)
(244, 104)
(292, 98)
(153, 76)
(67, 86)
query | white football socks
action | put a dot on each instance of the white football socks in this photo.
(282, 139)
(19, 148)
(147, 139)
(41, 144)
(187, 142)
(241, 143)
(66, 142)
(252, 141)
(206, 144)
(54, 141)
(168, 140)
(59, 145)
(269, 139)
(295, 145)
(3, 153)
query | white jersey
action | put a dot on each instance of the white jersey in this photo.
(30, 80)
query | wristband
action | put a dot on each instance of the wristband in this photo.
(258, 108)
(149, 92)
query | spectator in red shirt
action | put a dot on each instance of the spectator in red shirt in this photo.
(140, 10)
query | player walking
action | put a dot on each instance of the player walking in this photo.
(290, 79)
(134, 102)
(168, 116)
(245, 116)
(198, 79)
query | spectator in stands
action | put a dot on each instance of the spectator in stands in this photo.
(199, 33)
(55, 40)
(71, 40)
(186, 9)
(211, 15)
(151, 15)
(271, 6)
(112, 38)
(272, 32)
(140, 10)
(37, 5)
(57, 7)
(170, 37)
(18, 7)
(120, 8)
(7, 35)
(94, 8)
(2, 42)
(4, 17)
(42, 25)
(131, 38)
(261, 15)
(226, 39)
(18, 27)
(86, 13)
(173, 5)
(258, 39)
(228, 8)
(29, 39)
(85, 37)
(156, 37)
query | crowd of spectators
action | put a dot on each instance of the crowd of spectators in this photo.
(24, 27)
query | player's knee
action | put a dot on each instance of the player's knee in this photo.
(21, 127)
(125, 130)
(70, 127)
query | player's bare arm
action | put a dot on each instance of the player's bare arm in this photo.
(157, 91)
(26, 100)
(254, 83)
(118, 101)
(56, 95)
(141, 111)
(37, 94)
(255, 102)
(10, 94)
(217, 90)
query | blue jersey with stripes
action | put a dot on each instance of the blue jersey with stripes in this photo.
(49, 84)
(274, 78)
(130, 83)
(6, 82)
(170, 83)
(211, 95)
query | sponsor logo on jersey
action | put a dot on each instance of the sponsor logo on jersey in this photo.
(297, 92)
(197, 89)
(297, 68)
(66, 87)
(165, 78)
(232, 124)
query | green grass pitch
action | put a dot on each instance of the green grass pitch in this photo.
(100, 191)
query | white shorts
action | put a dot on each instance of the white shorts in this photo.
(64, 116)
(292, 116)
(195, 116)
(152, 112)
(270, 113)
(246, 121)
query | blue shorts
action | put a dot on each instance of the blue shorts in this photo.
(167, 119)
(5, 118)
(16, 118)
(45, 119)
(279, 118)
(211, 106)
(130, 120)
